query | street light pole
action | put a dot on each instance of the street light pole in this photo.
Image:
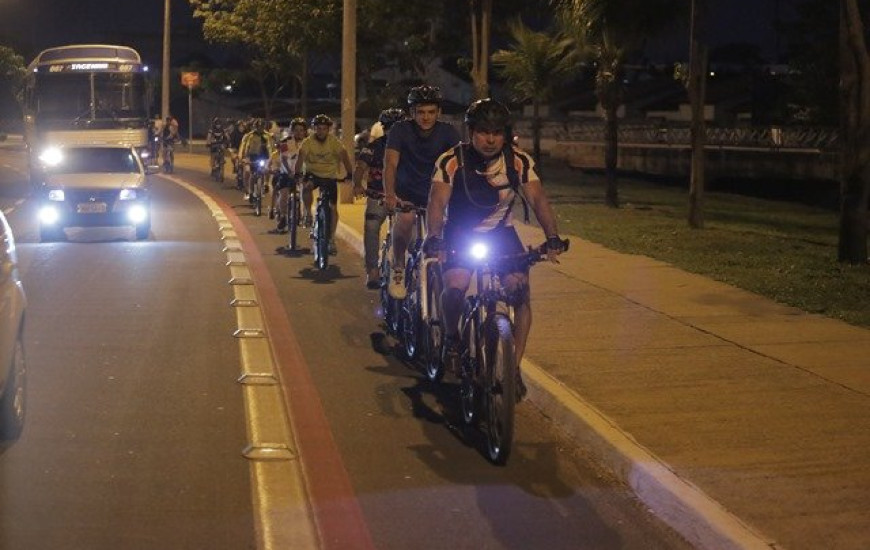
(164, 96)
(348, 84)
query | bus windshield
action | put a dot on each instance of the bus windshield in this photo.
(66, 100)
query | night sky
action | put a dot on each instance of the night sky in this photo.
(29, 26)
(32, 25)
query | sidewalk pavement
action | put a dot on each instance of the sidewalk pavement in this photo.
(741, 422)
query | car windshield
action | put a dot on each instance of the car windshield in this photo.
(91, 160)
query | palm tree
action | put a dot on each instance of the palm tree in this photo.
(606, 32)
(534, 68)
(855, 117)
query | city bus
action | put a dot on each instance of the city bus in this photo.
(85, 94)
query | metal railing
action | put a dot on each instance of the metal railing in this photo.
(789, 137)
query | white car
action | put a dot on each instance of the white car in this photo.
(12, 366)
(93, 185)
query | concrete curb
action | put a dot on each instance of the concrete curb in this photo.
(702, 521)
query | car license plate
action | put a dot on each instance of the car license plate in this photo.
(91, 208)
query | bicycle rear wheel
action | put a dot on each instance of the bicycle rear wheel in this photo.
(500, 376)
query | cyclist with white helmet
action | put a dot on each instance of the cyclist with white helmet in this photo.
(412, 148)
(289, 146)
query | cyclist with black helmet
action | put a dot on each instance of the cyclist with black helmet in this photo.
(412, 148)
(289, 151)
(477, 183)
(322, 155)
(370, 163)
(217, 140)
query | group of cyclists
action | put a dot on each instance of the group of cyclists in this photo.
(466, 189)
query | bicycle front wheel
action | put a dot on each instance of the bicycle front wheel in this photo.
(500, 387)
(321, 255)
(292, 220)
(258, 196)
(411, 323)
(433, 335)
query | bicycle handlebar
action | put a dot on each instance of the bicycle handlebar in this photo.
(401, 206)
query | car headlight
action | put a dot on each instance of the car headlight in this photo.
(49, 215)
(137, 214)
(56, 195)
(479, 251)
(127, 194)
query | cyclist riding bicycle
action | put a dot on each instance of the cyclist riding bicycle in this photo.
(256, 145)
(289, 151)
(322, 154)
(477, 183)
(412, 148)
(370, 165)
(217, 140)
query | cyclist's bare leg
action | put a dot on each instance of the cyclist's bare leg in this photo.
(517, 286)
(456, 282)
(403, 226)
(307, 201)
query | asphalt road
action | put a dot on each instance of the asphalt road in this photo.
(136, 423)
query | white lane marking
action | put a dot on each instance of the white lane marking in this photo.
(282, 513)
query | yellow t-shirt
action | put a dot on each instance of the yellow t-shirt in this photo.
(322, 158)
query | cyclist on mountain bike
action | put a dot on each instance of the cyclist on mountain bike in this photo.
(217, 140)
(289, 148)
(412, 148)
(322, 154)
(371, 163)
(256, 145)
(477, 183)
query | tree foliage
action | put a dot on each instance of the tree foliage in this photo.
(607, 33)
(276, 34)
(535, 66)
(855, 130)
(812, 38)
(13, 72)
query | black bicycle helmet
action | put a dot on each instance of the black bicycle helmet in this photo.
(425, 94)
(321, 119)
(488, 114)
(299, 121)
(388, 117)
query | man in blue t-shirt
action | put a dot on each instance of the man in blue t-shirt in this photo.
(370, 165)
(412, 148)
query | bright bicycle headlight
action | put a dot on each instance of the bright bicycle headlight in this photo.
(262, 163)
(479, 251)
